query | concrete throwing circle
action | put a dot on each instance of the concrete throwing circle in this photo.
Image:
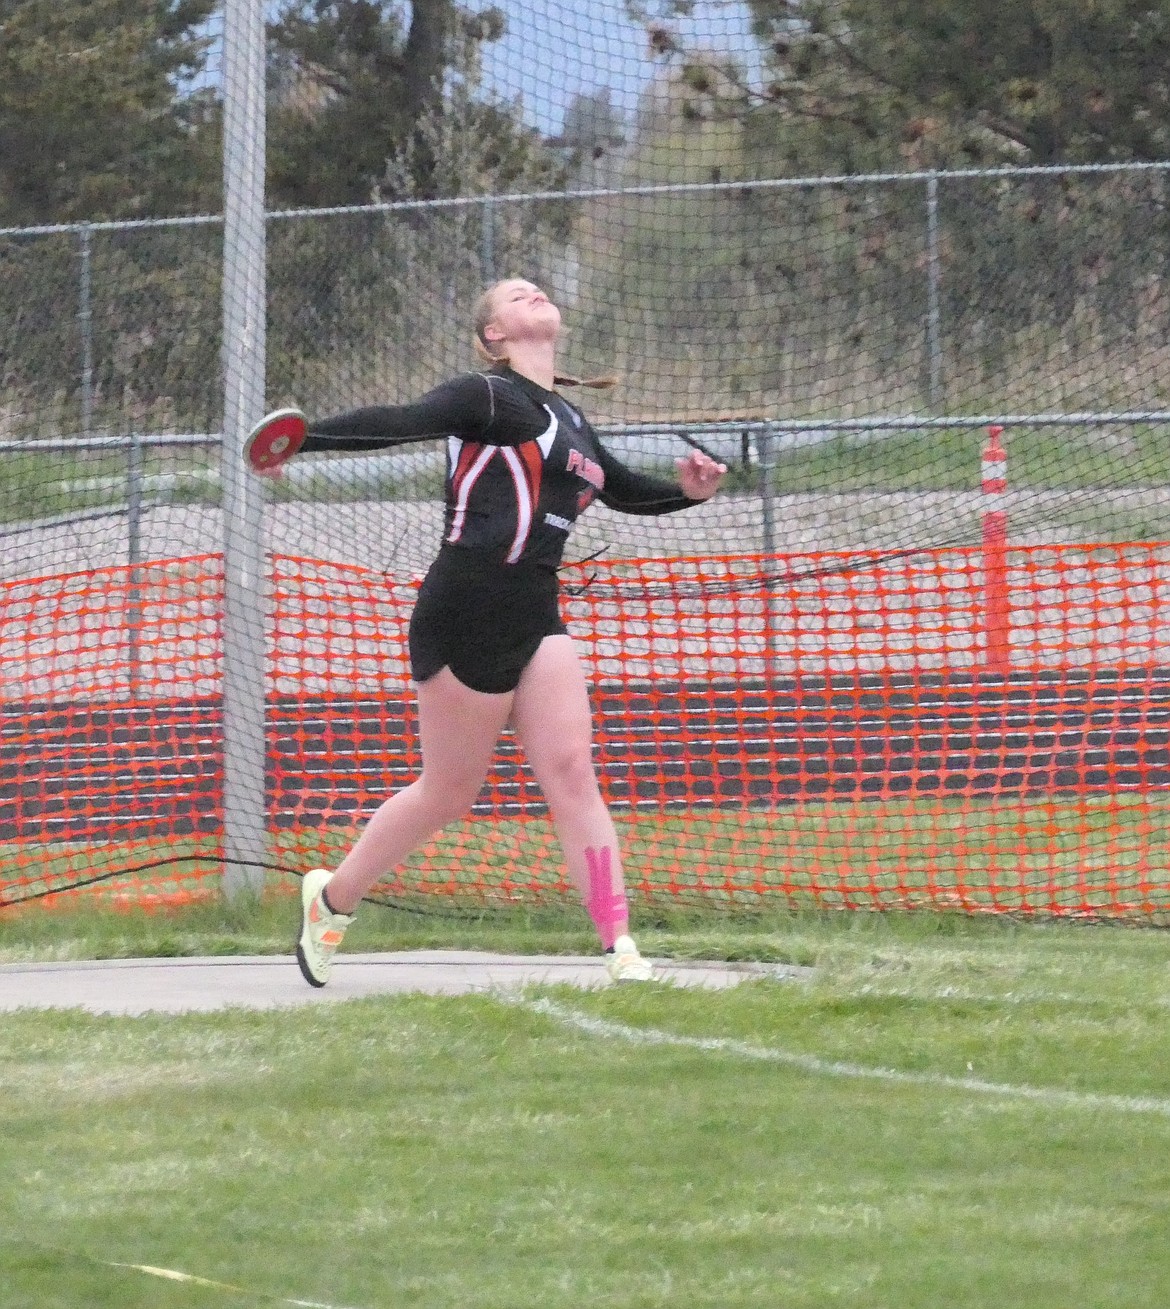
(140, 986)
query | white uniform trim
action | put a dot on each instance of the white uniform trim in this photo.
(469, 481)
(523, 502)
(525, 509)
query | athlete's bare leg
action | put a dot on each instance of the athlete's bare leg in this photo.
(551, 718)
(458, 729)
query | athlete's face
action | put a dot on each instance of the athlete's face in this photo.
(521, 312)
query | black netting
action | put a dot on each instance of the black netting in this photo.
(782, 268)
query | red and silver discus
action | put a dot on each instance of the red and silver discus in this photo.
(274, 440)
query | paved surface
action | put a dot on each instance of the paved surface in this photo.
(139, 986)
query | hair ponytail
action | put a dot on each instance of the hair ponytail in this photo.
(603, 383)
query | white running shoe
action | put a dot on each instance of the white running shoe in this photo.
(625, 964)
(321, 931)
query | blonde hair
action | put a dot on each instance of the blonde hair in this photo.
(483, 315)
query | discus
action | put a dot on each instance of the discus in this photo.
(274, 440)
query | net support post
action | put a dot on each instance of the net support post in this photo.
(487, 242)
(933, 297)
(766, 454)
(85, 325)
(135, 506)
(996, 593)
(244, 355)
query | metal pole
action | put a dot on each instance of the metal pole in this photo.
(134, 494)
(134, 491)
(767, 507)
(768, 521)
(487, 243)
(244, 308)
(85, 322)
(933, 284)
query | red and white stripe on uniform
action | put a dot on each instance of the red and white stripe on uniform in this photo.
(468, 460)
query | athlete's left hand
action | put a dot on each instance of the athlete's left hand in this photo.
(699, 475)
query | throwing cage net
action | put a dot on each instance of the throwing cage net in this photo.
(916, 652)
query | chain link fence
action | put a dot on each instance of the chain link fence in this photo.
(813, 310)
(842, 343)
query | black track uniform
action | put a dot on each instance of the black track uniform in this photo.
(522, 464)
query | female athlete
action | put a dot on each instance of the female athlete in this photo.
(487, 645)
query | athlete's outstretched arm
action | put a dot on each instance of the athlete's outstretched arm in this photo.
(463, 406)
(632, 492)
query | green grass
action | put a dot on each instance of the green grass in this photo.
(469, 1152)
(39, 485)
(218, 928)
(1091, 855)
(1095, 853)
(944, 460)
(1038, 458)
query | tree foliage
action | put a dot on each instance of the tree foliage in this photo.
(366, 99)
(108, 108)
(849, 84)
(92, 125)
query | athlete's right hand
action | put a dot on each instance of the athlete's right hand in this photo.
(699, 475)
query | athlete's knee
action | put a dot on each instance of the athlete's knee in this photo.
(449, 798)
(567, 773)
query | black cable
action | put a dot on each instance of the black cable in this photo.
(384, 901)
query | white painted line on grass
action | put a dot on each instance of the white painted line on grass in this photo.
(172, 1275)
(808, 1063)
(940, 993)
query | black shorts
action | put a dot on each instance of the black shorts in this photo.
(481, 618)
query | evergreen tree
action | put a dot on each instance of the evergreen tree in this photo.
(94, 120)
(361, 98)
(851, 84)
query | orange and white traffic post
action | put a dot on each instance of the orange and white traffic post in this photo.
(996, 597)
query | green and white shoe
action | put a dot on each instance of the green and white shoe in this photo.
(625, 964)
(321, 930)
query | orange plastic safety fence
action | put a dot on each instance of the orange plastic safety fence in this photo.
(112, 757)
(825, 729)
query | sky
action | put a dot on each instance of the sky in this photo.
(554, 51)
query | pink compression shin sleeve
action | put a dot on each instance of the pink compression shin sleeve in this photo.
(607, 906)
